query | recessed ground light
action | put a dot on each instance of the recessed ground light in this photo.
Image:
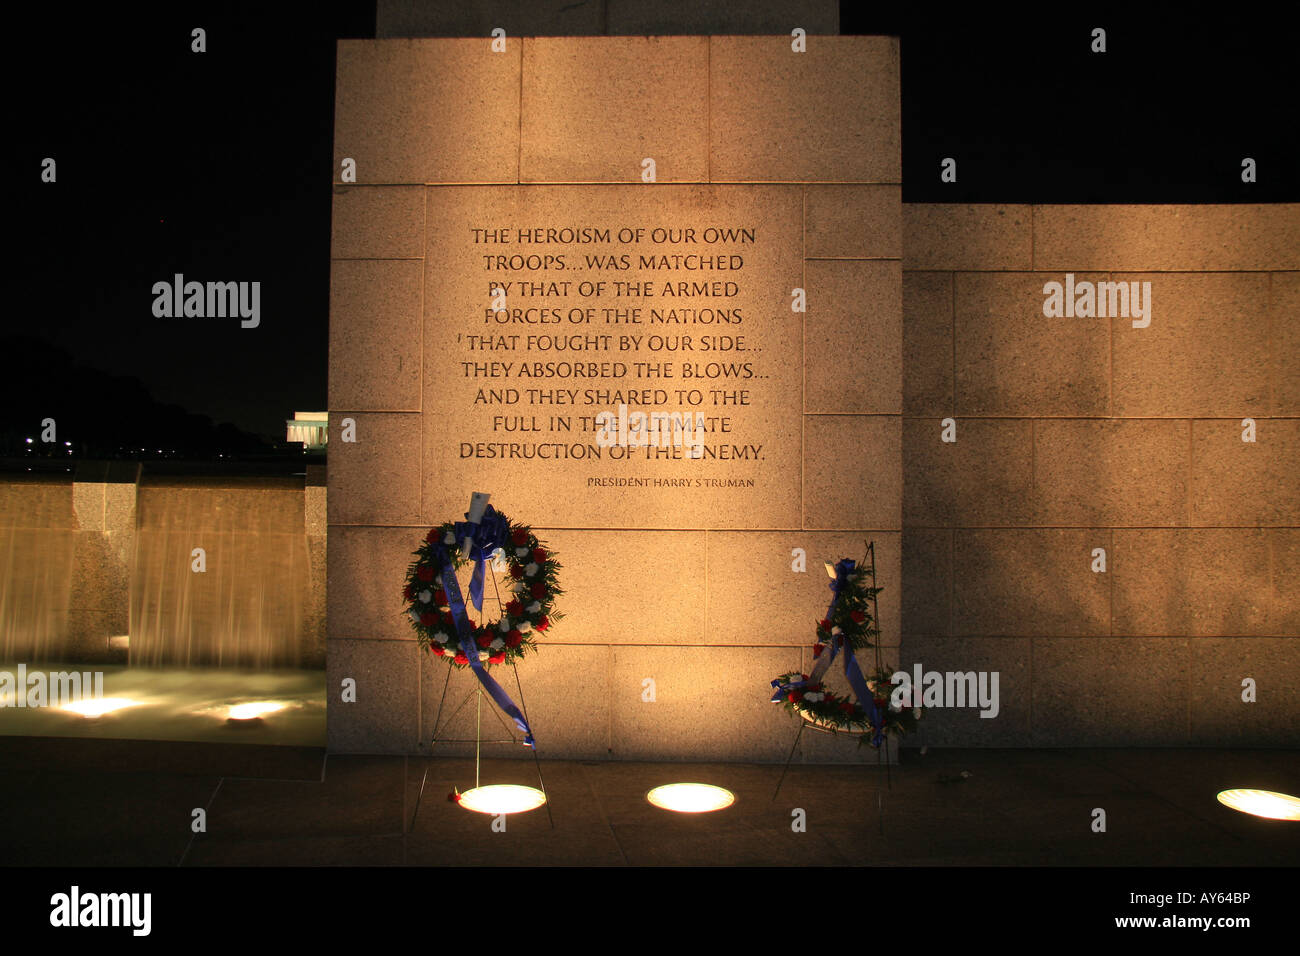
(502, 798)
(254, 710)
(691, 797)
(99, 706)
(1262, 803)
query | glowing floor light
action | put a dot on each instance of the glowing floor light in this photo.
(691, 797)
(254, 710)
(502, 798)
(1262, 803)
(99, 706)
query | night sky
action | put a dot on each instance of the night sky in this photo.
(218, 165)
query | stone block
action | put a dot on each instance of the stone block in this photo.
(1110, 473)
(1175, 238)
(385, 715)
(1013, 360)
(927, 343)
(754, 596)
(375, 317)
(966, 237)
(1245, 483)
(852, 471)
(1180, 582)
(710, 703)
(985, 477)
(367, 572)
(1110, 692)
(377, 222)
(377, 478)
(853, 338)
(829, 114)
(853, 222)
(428, 111)
(1206, 353)
(594, 109)
(1029, 582)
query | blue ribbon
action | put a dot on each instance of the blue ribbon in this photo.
(465, 633)
(484, 538)
(852, 671)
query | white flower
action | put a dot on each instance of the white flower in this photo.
(524, 627)
(521, 552)
(449, 538)
(415, 615)
(438, 581)
(442, 637)
(426, 596)
(534, 607)
(504, 626)
(497, 644)
(530, 569)
(483, 655)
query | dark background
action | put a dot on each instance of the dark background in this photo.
(218, 166)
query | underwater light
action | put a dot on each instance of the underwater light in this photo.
(502, 798)
(254, 710)
(691, 797)
(99, 706)
(1262, 803)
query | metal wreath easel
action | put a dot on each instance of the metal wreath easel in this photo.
(881, 752)
(477, 694)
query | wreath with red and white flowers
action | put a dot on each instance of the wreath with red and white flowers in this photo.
(532, 585)
(820, 706)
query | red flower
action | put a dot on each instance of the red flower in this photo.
(409, 592)
(428, 619)
(858, 617)
(440, 596)
(514, 608)
(539, 589)
(817, 650)
(514, 638)
(432, 536)
(847, 707)
(796, 696)
(813, 687)
(497, 658)
(544, 623)
(484, 640)
(519, 537)
(424, 572)
(539, 555)
(824, 625)
(448, 619)
(437, 649)
(516, 571)
(460, 658)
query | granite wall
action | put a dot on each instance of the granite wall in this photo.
(702, 600)
(1080, 433)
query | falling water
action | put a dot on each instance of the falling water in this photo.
(248, 607)
(38, 537)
